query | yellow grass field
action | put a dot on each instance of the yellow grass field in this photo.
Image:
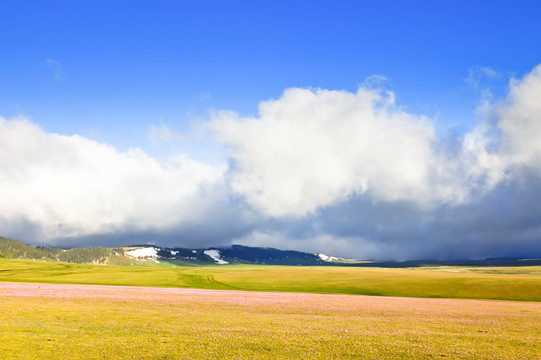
(39, 321)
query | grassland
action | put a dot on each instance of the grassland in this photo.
(499, 283)
(157, 320)
(40, 321)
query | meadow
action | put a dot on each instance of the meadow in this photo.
(267, 312)
(103, 322)
(498, 283)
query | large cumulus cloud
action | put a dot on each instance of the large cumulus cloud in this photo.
(314, 148)
(519, 120)
(365, 178)
(69, 186)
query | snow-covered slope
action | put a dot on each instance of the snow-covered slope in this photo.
(148, 253)
(216, 256)
(329, 258)
(143, 252)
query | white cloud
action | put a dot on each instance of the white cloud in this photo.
(73, 186)
(312, 149)
(480, 163)
(519, 119)
(356, 157)
(162, 134)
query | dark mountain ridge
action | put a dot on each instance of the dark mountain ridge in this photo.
(235, 254)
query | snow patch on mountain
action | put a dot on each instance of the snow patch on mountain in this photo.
(143, 252)
(329, 258)
(216, 256)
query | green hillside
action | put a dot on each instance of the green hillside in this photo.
(12, 249)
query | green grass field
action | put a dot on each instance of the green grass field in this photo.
(499, 283)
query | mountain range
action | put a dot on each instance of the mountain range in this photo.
(152, 255)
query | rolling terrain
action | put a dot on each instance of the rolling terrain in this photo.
(215, 303)
(498, 283)
(152, 255)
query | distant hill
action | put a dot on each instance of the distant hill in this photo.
(235, 254)
(151, 255)
(244, 255)
(13, 249)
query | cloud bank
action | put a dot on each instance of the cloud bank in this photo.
(349, 173)
(373, 180)
(70, 186)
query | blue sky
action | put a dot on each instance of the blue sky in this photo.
(158, 76)
(98, 67)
